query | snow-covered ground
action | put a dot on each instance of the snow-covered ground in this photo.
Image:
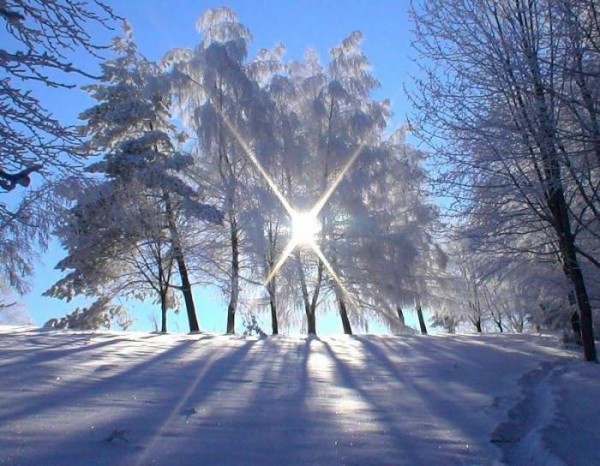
(140, 399)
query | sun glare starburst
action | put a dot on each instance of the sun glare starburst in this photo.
(305, 228)
(305, 225)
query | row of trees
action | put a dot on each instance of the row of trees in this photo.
(201, 153)
(481, 292)
(196, 199)
(510, 103)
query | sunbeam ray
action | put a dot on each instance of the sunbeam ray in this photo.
(293, 213)
(314, 211)
(328, 266)
(257, 164)
(327, 194)
(246, 148)
(334, 275)
(284, 255)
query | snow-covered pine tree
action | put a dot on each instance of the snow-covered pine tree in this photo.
(123, 234)
(101, 314)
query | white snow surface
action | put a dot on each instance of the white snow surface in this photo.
(99, 398)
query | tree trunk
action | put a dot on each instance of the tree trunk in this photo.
(271, 288)
(235, 276)
(562, 225)
(274, 324)
(312, 320)
(576, 326)
(499, 325)
(344, 315)
(163, 312)
(519, 325)
(585, 309)
(272, 285)
(186, 287)
(307, 308)
(558, 207)
(230, 318)
(421, 319)
(339, 296)
(186, 290)
(401, 316)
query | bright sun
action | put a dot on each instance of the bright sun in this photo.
(305, 227)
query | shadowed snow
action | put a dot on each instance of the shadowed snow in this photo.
(137, 399)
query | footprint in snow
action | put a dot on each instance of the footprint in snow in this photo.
(122, 437)
(118, 435)
(188, 412)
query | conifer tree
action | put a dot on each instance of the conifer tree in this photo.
(129, 217)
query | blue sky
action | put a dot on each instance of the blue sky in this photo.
(299, 24)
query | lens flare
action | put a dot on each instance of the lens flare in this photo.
(305, 225)
(305, 228)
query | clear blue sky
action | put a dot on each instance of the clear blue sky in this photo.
(160, 25)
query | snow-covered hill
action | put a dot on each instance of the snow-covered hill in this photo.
(139, 399)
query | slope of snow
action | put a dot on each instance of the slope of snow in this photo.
(144, 399)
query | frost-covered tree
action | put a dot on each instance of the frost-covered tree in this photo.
(374, 225)
(492, 290)
(11, 310)
(461, 297)
(353, 125)
(99, 315)
(273, 139)
(267, 230)
(508, 104)
(394, 258)
(327, 119)
(216, 99)
(117, 246)
(37, 39)
(285, 149)
(124, 233)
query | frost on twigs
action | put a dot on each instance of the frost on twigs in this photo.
(37, 148)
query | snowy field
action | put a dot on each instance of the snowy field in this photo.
(142, 399)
